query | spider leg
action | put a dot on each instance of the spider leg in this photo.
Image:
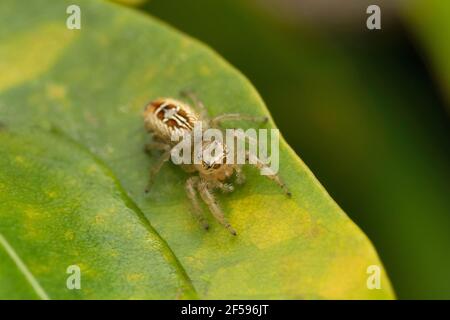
(225, 187)
(243, 136)
(216, 121)
(239, 160)
(260, 165)
(273, 176)
(209, 199)
(155, 169)
(191, 191)
(198, 104)
(240, 176)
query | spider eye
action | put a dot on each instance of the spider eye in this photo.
(207, 165)
(211, 166)
(214, 161)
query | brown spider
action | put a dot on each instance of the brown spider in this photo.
(165, 117)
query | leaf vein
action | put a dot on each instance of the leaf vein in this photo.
(23, 268)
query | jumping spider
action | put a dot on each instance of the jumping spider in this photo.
(165, 116)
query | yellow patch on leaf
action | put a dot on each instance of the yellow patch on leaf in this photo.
(27, 55)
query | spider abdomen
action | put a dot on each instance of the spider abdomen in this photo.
(165, 117)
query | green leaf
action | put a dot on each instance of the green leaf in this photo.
(59, 206)
(94, 85)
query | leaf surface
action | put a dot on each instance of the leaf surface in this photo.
(60, 207)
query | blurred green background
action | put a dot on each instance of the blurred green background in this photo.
(366, 111)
